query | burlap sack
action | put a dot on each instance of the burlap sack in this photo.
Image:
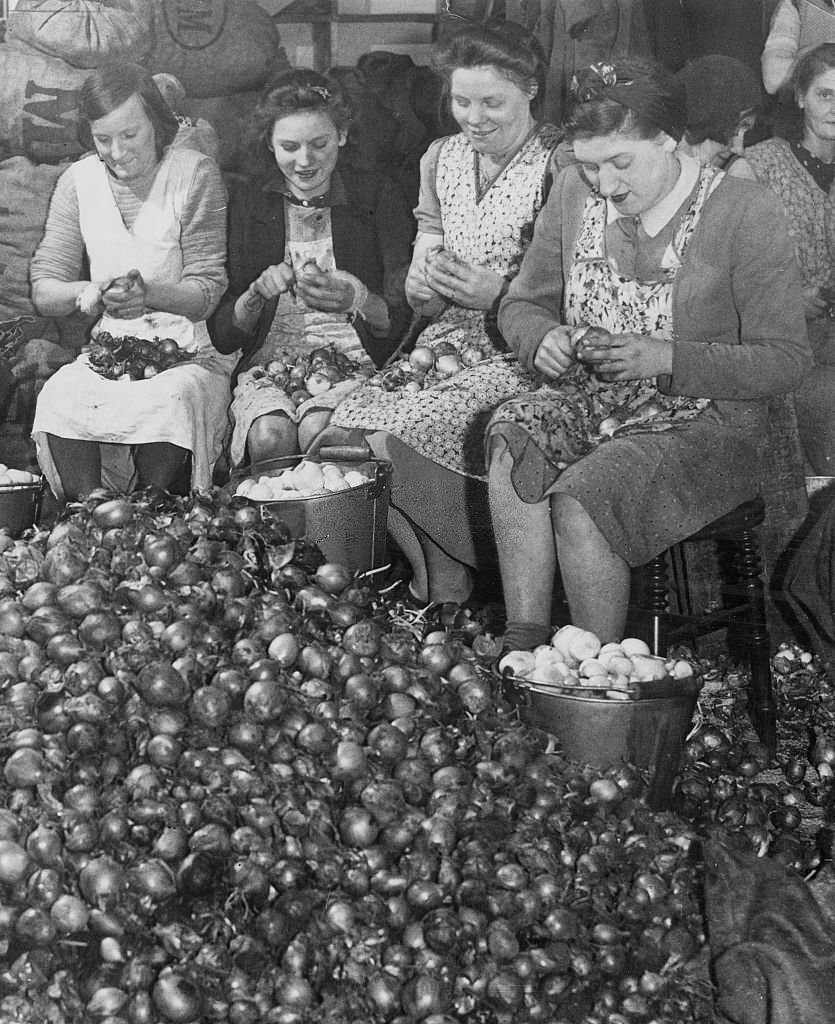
(84, 32)
(228, 115)
(214, 47)
(25, 190)
(39, 111)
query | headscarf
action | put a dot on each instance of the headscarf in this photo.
(640, 90)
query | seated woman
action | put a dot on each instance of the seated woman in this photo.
(722, 96)
(480, 192)
(801, 171)
(660, 305)
(150, 221)
(318, 255)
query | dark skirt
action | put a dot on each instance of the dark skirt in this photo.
(646, 487)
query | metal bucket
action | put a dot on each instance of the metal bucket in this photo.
(348, 526)
(646, 732)
(20, 505)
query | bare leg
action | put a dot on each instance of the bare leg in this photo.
(158, 463)
(525, 543)
(311, 426)
(596, 579)
(402, 530)
(78, 464)
(272, 436)
(436, 575)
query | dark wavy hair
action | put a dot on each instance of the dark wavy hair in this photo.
(113, 84)
(656, 101)
(293, 92)
(504, 45)
(810, 65)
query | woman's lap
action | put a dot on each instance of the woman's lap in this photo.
(646, 490)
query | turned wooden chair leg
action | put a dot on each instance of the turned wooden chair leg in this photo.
(655, 582)
(763, 707)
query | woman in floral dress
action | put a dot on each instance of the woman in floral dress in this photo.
(660, 303)
(480, 192)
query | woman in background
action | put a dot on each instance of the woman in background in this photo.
(722, 96)
(801, 171)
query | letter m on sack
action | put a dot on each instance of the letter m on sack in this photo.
(49, 122)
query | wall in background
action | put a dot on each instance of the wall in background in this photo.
(349, 41)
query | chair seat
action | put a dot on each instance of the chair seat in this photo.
(747, 516)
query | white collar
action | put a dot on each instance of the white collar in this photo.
(657, 217)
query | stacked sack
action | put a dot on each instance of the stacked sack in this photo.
(221, 50)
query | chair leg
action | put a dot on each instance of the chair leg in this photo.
(763, 707)
(655, 576)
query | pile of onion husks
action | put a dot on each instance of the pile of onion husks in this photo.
(237, 786)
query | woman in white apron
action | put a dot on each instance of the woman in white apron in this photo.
(149, 222)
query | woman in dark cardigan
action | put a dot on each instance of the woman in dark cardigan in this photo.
(660, 304)
(318, 255)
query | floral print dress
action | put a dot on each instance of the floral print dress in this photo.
(445, 421)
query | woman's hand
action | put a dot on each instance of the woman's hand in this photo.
(464, 284)
(627, 356)
(418, 291)
(329, 293)
(124, 297)
(555, 354)
(271, 283)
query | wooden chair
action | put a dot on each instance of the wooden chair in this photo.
(742, 609)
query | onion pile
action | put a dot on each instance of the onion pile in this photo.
(238, 786)
(425, 366)
(130, 358)
(308, 374)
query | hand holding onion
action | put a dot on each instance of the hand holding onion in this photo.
(626, 356)
(463, 283)
(124, 297)
(327, 291)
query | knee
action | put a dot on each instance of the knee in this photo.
(498, 457)
(572, 524)
(272, 436)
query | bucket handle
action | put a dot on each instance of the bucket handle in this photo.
(345, 452)
(515, 694)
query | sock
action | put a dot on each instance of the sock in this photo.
(524, 636)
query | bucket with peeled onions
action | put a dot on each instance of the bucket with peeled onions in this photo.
(338, 499)
(607, 703)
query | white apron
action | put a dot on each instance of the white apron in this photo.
(185, 405)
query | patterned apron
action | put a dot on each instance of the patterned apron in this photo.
(564, 418)
(445, 421)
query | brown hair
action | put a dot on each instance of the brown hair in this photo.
(113, 84)
(504, 45)
(294, 92)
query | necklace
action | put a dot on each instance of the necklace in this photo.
(822, 171)
(318, 201)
